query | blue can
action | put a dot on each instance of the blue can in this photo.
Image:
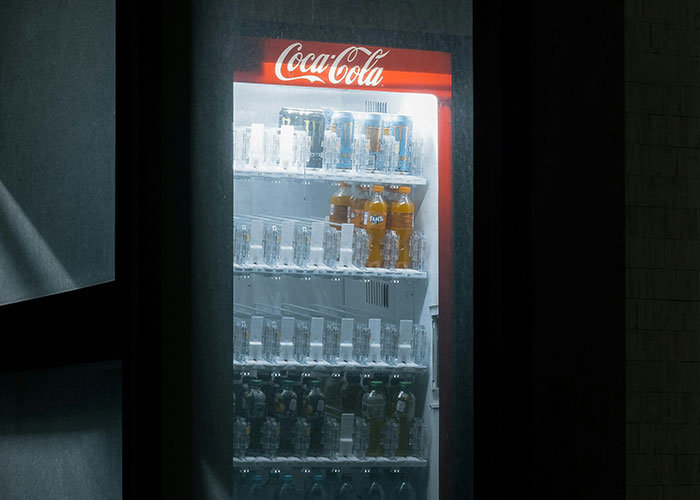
(372, 129)
(401, 128)
(343, 124)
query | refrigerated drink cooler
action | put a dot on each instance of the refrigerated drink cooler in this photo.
(342, 196)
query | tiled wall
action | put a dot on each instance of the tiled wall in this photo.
(662, 136)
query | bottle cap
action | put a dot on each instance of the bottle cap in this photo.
(378, 188)
(314, 383)
(288, 382)
(256, 381)
(404, 189)
(375, 383)
(404, 384)
(318, 477)
(287, 478)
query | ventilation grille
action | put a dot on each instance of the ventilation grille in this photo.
(375, 107)
(377, 293)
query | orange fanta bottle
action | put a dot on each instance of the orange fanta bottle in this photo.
(357, 204)
(340, 205)
(375, 224)
(402, 212)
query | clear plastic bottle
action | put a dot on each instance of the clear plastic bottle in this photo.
(402, 214)
(374, 222)
(313, 410)
(256, 489)
(346, 490)
(287, 491)
(340, 205)
(254, 409)
(317, 490)
(284, 408)
(405, 491)
(404, 411)
(373, 409)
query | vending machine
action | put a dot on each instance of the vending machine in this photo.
(343, 269)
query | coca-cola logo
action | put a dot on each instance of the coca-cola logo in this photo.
(337, 68)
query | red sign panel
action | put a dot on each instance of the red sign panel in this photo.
(348, 66)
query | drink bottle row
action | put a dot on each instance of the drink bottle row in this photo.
(326, 139)
(320, 334)
(333, 485)
(363, 231)
(348, 417)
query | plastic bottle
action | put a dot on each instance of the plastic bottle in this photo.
(351, 394)
(357, 204)
(317, 491)
(254, 402)
(375, 490)
(287, 491)
(256, 490)
(373, 409)
(272, 487)
(374, 222)
(284, 407)
(405, 491)
(391, 194)
(340, 205)
(346, 491)
(402, 213)
(313, 410)
(404, 410)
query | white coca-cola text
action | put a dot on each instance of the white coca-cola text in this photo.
(292, 60)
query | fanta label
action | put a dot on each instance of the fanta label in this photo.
(374, 219)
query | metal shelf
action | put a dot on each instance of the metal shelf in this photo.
(330, 176)
(328, 272)
(328, 367)
(310, 462)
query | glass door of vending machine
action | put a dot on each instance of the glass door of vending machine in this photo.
(342, 217)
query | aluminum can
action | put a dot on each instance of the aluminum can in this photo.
(343, 124)
(372, 128)
(313, 122)
(401, 127)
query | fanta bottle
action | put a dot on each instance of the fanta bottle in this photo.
(357, 204)
(391, 194)
(402, 212)
(375, 224)
(340, 205)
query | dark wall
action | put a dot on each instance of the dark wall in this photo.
(662, 253)
(61, 433)
(57, 82)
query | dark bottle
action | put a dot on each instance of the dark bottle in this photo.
(313, 409)
(271, 491)
(284, 408)
(404, 410)
(346, 491)
(405, 491)
(351, 394)
(375, 490)
(254, 408)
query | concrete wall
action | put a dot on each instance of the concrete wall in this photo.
(662, 138)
